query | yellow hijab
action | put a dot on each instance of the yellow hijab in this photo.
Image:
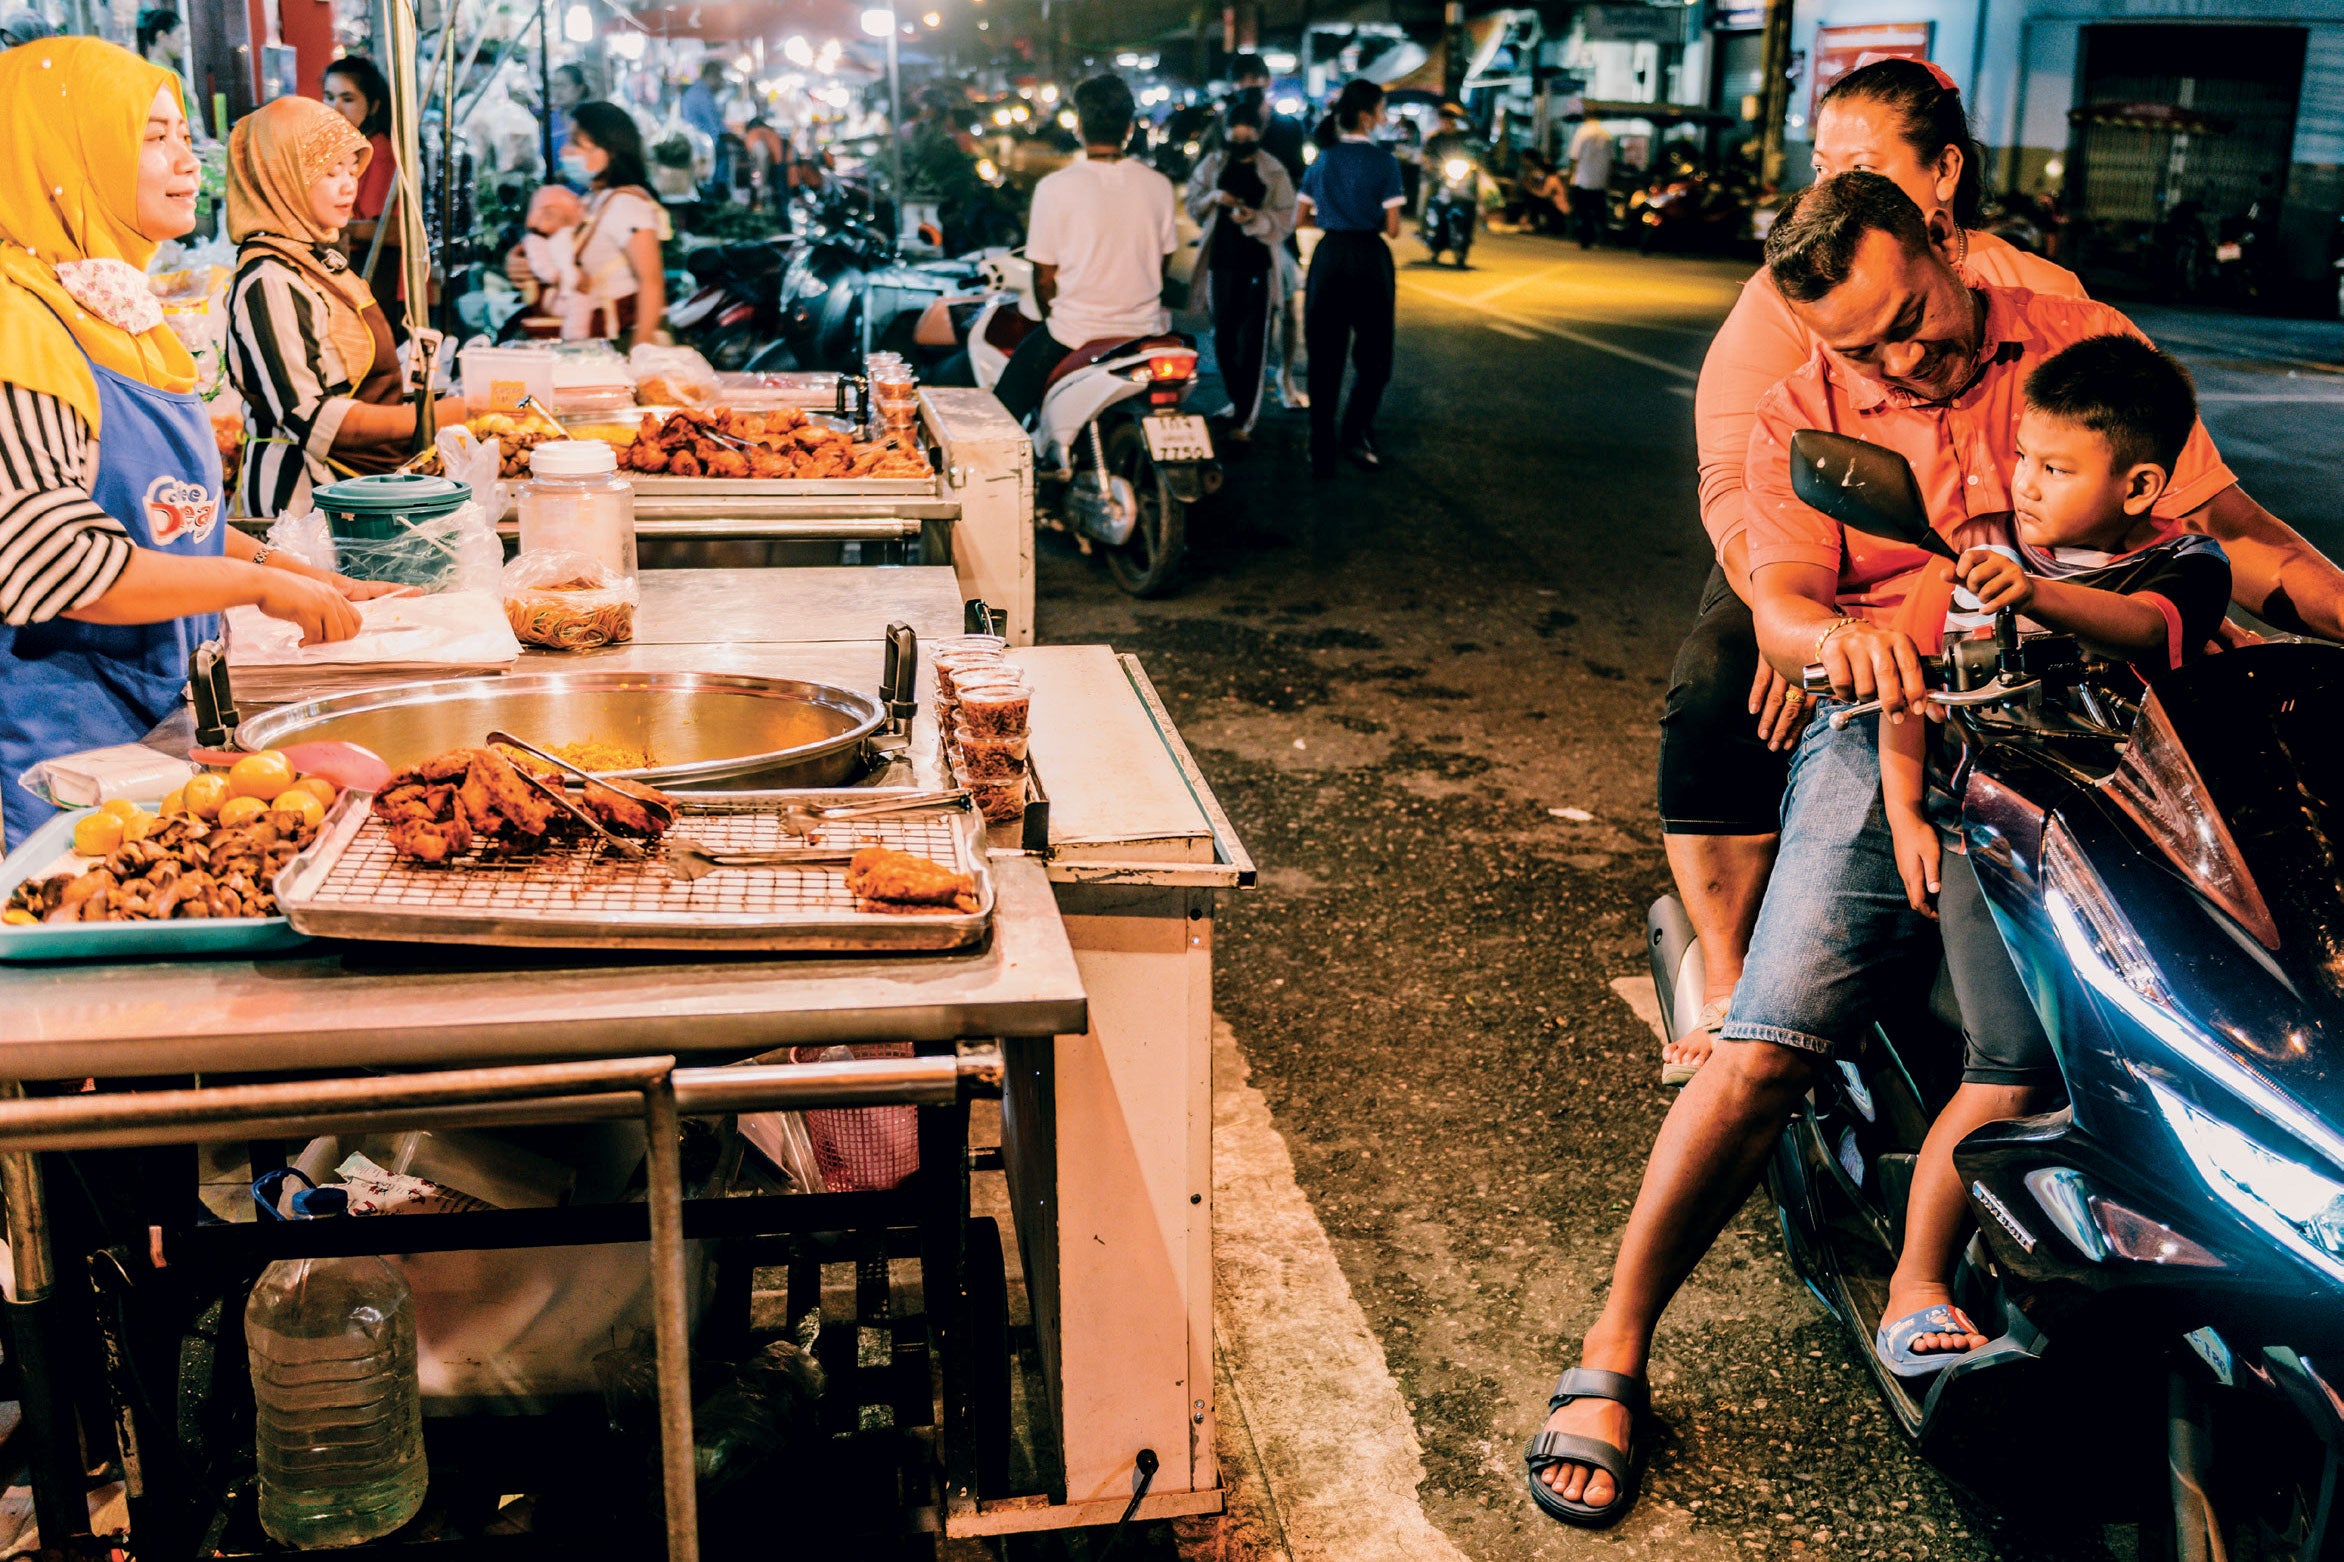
(275, 154)
(73, 115)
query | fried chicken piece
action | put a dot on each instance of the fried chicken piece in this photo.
(629, 807)
(728, 463)
(683, 464)
(770, 463)
(863, 463)
(890, 880)
(495, 795)
(646, 456)
(431, 840)
(813, 435)
(678, 429)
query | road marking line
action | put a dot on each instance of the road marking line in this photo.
(1340, 1459)
(1578, 338)
(1482, 299)
(1505, 328)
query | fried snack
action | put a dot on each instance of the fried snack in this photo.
(781, 444)
(476, 800)
(185, 868)
(883, 879)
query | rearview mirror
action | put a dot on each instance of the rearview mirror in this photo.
(1865, 487)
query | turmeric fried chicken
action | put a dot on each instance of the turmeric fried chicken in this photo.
(885, 879)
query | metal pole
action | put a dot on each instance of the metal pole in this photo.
(895, 121)
(1775, 104)
(670, 1323)
(58, 1503)
(414, 246)
(545, 83)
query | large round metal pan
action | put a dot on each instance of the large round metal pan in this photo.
(700, 729)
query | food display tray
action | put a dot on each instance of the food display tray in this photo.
(350, 884)
(49, 850)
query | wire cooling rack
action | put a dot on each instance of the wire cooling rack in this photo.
(351, 884)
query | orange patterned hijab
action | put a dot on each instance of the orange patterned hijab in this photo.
(275, 154)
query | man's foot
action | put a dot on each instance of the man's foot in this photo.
(1947, 1334)
(1681, 1057)
(1605, 1420)
(1293, 397)
(1363, 455)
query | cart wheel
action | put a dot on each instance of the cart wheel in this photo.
(988, 1344)
(1145, 565)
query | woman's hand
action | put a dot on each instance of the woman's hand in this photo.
(1917, 859)
(449, 411)
(368, 590)
(313, 604)
(1996, 579)
(1782, 711)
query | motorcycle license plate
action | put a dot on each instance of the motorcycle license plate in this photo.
(1177, 437)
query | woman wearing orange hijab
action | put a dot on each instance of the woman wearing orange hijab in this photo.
(307, 344)
(114, 553)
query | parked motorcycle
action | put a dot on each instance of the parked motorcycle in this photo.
(1452, 210)
(2160, 1263)
(1117, 459)
(1691, 207)
(737, 306)
(846, 291)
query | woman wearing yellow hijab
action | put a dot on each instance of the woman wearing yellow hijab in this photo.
(307, 344)
(114, 556)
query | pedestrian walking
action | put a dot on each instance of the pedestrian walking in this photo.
(1591, 170)
(1245, 202)
(1353, 192)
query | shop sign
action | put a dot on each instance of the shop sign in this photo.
(1839, 50)
(1736, 16)
(1634, 23)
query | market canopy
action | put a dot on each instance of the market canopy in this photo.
(739, 20)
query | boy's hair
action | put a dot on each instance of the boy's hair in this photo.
(1104, 108)
(2125, 391)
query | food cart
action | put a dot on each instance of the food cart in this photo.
(1086, 1007)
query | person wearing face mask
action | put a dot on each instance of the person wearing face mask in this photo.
(618, 284)
(308, 347)
(355, 89)
(115, 558)
(1353, 193)
(1241, 197)
(1729, 719)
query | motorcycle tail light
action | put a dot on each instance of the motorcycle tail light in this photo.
(1173, 365)
(736, 314)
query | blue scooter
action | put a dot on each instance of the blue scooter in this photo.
(2160, 1262)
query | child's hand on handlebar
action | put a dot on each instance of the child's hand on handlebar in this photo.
(1996, 579)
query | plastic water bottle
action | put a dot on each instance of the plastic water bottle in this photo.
(340, 1427)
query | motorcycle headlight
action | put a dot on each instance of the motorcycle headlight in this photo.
(813, 287)
(2301, 1207)
(1456, 168)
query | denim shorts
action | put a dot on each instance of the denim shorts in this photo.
(1835, 935)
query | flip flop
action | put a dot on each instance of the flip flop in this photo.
(1621, 1464)
(1894, 1342)
(1712, 1020)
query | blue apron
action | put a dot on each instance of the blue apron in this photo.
(67, 686)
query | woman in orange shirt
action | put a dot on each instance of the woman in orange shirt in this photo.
(1730, 719)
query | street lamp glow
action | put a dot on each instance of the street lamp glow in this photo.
(627, 45)
(1001, 118)
(878, 24)
(932, 19)
(1066, 118)
(1049, 93)
(578, 24)
(797, 51)
(1127, 61)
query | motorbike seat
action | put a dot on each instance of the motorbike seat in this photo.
(1106, 347)
(1008, 327)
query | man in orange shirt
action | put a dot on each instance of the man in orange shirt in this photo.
(1914, 358)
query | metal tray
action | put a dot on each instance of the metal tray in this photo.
(45, 852)
(350, 884)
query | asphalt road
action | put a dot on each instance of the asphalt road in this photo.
(1427, 699)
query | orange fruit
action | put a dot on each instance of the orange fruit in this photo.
(139, 825)
(97, 834)
(320, 788)
(299, 800)
(262, 775)
(121, 808)
(176, 803)
(203, 795)
(241, 810)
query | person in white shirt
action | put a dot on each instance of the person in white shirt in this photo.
(1098, 236)
(1591, 170)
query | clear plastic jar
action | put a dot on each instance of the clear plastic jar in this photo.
(576, 498)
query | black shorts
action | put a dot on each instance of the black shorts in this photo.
(1716, 777)
(2002, 1039)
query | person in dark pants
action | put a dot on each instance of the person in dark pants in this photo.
(1242, 199)
(1353, 192)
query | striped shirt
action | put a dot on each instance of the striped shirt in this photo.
(296, 389)
(58, 550)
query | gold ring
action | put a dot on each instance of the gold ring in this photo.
(1792, 699)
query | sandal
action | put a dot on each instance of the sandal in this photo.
(1894, 1342)
(1552, 1448)
(1712, 1020)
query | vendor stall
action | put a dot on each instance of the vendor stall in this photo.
(1084, 1001)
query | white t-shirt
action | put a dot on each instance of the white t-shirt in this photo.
(1591, 157)
(1107, 227)
(609, 228)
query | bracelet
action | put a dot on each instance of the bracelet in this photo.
(1830, 629)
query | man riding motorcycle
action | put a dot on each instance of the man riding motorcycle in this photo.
(1099, 237)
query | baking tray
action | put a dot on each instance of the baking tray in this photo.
(350, 884)
(49, 850)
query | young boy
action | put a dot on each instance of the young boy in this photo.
(2104, 423)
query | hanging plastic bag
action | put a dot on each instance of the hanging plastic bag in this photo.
(568, 601)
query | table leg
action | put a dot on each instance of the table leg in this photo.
(33, 1329)
(671, 1324)
(944, 1181)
